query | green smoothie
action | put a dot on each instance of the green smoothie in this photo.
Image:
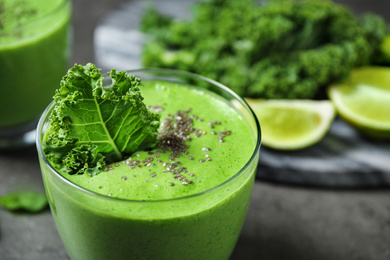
(158, 205)
(34, 55)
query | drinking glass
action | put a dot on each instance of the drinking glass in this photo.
(203, 226)
(34, 56)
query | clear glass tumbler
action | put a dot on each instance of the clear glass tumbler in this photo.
(201, 226)
(35, 39)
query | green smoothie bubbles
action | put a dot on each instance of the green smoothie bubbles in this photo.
(34, 54)
(186, 197)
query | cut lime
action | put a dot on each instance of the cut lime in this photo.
(363, 100)
(384, 50)
(292, 124)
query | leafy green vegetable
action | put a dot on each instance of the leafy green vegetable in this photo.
(95, 122)
(278, 49)
(24, 200)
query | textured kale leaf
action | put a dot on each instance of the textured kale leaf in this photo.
(97, 120)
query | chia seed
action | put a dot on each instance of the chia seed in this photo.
(158, 109)
(176, 131)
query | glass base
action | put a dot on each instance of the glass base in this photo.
(18, 137)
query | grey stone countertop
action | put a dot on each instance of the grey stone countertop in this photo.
(283, 222)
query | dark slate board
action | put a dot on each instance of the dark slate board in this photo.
(342, 159)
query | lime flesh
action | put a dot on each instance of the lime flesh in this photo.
(292, 124)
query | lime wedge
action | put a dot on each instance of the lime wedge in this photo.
(384, 49)
(292, 124)
(363, 100)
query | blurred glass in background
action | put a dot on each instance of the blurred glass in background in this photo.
(35, 39)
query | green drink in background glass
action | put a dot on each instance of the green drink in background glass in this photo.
(34, 55)
(188, 207)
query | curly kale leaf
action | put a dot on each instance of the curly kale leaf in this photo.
(97, 120)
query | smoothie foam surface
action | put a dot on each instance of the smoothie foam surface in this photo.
(221, 146)
(21, 20)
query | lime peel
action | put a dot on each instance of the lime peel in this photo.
(293, 124)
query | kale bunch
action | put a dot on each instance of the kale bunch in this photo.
(277, 49)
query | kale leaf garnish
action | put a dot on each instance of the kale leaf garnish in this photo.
(94, 123)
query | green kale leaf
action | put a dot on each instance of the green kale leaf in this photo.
(97, 120)
(24, 200)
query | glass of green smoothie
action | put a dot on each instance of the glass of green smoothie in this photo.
(34, 54)
(183, 199)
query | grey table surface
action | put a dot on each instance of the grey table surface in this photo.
(283, 222)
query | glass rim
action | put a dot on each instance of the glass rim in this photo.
(170, 72)
(55, 9)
